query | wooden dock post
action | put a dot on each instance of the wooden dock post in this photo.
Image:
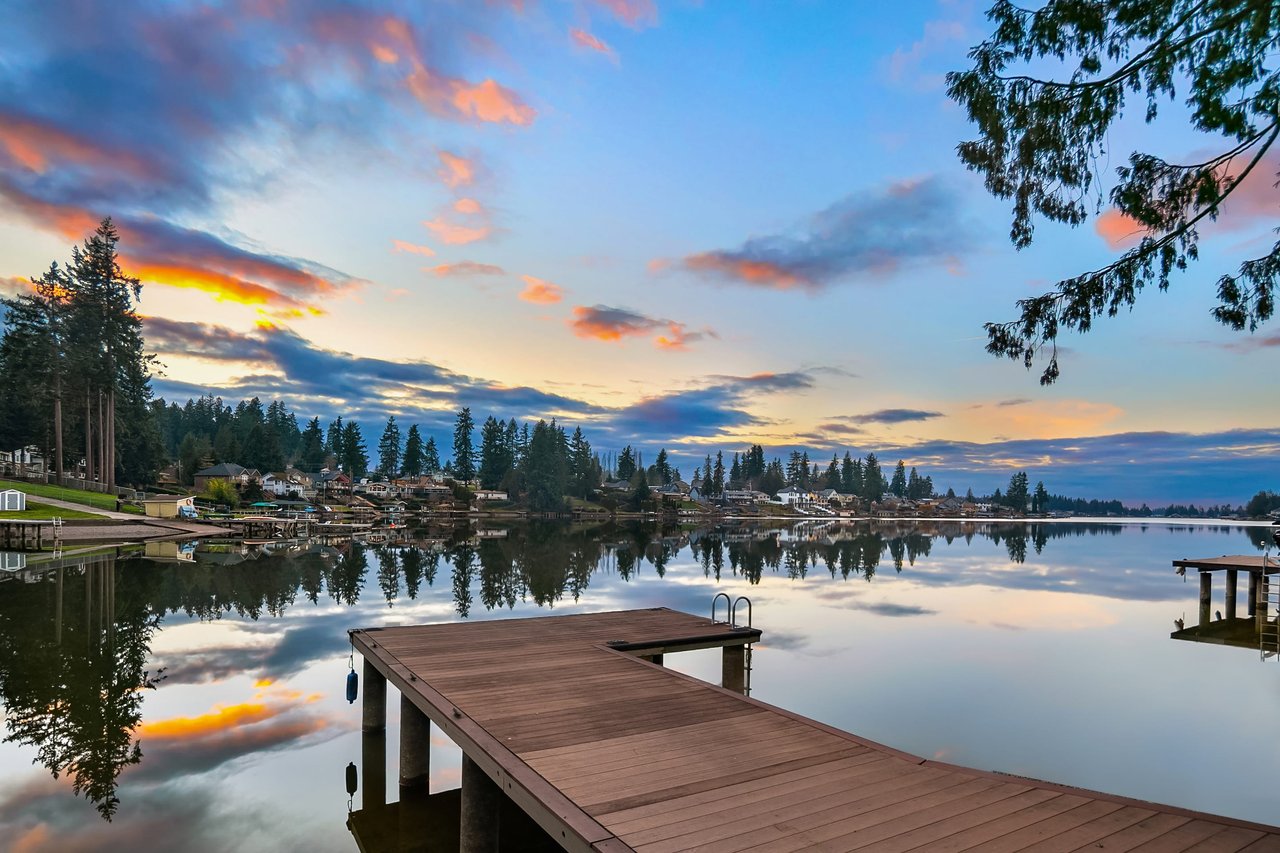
(374, 717)
(1251, 604)
(1206, 595)
(373, 767)
(478, 830)
(1232, 580)
(733, 669)
(415, 745)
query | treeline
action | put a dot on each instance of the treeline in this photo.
(74, 379)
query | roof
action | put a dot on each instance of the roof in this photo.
(222, 469)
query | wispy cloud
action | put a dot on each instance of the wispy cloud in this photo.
(412, 248)
(634, 13)
(466, 268)
(603, 323)
(864, 236)
(895, 416)
(456, 170)
(584, 39)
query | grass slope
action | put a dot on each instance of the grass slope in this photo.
(41, 512)
(93, 499)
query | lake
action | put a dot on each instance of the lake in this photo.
(196, 702)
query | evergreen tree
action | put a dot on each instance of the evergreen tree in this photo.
(898, 485)
(735, 473)
(832, 480)
(355, 457)
(846, 475)
(390, 449)
(413, 452)
(311, 451)
(494, 463)
(547, 470)
(663, 468)
(1016, 498)
(431, 457)
(332, 441)
(873, 484)
(583, 466)
(626, 464)
(639, 490)
(717, 474)
(464, 460)
(773, 478)
(1040, 498)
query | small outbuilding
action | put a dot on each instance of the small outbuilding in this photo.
(167, 506)
(12, 500)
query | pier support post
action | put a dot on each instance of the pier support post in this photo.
(1251, 603)
(374, 718)
(1232, 580)
(734, 669)
(1206, 594)
(478, 830)
(654, 659)
(373, 767)
(415, 745)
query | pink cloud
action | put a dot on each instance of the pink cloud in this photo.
(412, 248)
(455, 170)
(633, 13)
(582, 38)
(754, 272)
(455, 234)
(468, 206)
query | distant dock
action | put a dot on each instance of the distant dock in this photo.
(574, 720)
(1260, 627)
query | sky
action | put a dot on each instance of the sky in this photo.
(680, 224)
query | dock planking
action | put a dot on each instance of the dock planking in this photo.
(608, 751)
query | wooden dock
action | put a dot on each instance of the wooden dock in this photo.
(575, 720)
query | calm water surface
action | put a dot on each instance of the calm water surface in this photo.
(199, 705)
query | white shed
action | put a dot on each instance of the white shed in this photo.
(12, 500)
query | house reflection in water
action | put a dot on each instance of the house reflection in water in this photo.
(1259, 627)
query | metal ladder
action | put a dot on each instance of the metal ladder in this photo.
(731, 612)
(1269, 631)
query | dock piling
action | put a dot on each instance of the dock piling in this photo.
(1232, 580)
(374, 717)
(733, 666)
(373, 767)
(480, 810)
(1251, 605)
(1206, 594)
(415, 745)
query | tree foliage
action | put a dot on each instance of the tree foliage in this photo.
(1043, 143)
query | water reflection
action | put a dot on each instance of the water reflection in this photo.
(76, 642)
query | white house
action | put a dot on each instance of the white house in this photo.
(794, 496)
(490, 495)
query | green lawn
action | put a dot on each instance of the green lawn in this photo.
(93, 499)
(40, 512)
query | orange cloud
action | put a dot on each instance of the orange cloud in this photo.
(456, 171)
(220, 719)
(468, 205)
(412, 248)
(491, 102)
(759, 273)
(633, 13)
(582, 38)
(223, 287)
(540, 292)
(603, 323)
(457, 235)
(1118, 230)
(466, 268)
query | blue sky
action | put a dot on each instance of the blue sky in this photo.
(680, 224)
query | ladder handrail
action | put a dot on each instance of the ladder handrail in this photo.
(733, 611)
(728, 607)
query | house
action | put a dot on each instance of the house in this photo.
(235, 474)
(382, 491)
(332, 482)
(12, 500)
(669, 492)
(745, 496)
(794, 496)
(168, 506)
(427, 488)
(490, 495)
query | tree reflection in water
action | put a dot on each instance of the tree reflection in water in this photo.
(75, 643)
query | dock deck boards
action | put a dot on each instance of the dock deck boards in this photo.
(609, 752)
